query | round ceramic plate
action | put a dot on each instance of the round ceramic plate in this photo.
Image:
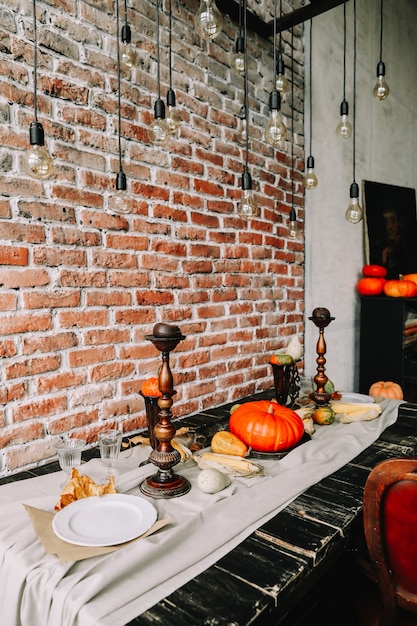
(104, 520)
(359, 398)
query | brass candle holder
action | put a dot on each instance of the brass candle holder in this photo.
(321, 318)
(165, 483)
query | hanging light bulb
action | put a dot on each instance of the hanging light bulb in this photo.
(37, 162)
(241, 126)
(293, 228)
(381, 89)
(344, 127)
(118, 200)
(238, 58)
(172, 118)
(281, 83)
(247, 208)
(128, 56)
(354, 212)
(275, 129)
(310, 178)
(208, 19)
(158, 131)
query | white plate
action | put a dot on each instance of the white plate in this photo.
(104, 520)
(359, 398)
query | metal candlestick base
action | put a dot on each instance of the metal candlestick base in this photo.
(321, 318)
(165, 484)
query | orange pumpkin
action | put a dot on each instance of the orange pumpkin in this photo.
(386, 389)
(412, 277)
(400, 288)
(266, 426)
(150, 387)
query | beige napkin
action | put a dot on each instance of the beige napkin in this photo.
(67, 552)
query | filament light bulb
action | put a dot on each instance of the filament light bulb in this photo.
(238, 57)
(158, 131)
(354, 213)
(381, 89)
(247, 208)
(241, 126)
(37, 162)
(172, 118)
(208, 19)
(281, 83)
(293, 228)
(128, 55)
(275, 129)
(310, 178)
(344, 128)
(118, 200)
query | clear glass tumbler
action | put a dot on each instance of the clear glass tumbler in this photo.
(69, 454)
(109, 442)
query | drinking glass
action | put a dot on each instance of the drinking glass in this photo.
(69, 455)
(109, 442)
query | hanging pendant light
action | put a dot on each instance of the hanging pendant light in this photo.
(118, 200)
(344, 128)
(354, 213)
(172, 117)
(208, 19)
(37, 162)
(247, 208)
(238, 57)
(275, 129)
(381, 89)
(294, 231)
(128, 56)
(158, 131)
(310, 178)
(241, 126)
(281, 83)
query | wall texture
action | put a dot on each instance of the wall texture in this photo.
(79, 285)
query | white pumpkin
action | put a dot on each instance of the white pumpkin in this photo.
(212, 480)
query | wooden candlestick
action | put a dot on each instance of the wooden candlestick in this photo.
(165, 483)
(321, 318)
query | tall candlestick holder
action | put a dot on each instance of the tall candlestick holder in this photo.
(165, 483)
(321, 318)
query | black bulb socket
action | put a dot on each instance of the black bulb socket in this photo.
(354, 190)
(280, 66)
(380, 69)
(171, 102)
(293, 215)
(159, 109)
(126, 33)
(274, 100)
(240, 45)
(310, 162)
(246, 181)
(344, 108)
(36, 134)
(121, 182)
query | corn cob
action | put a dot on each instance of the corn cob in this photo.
(232, 465)
(351, 407)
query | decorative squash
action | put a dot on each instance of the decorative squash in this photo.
(371, 286)
(400, 288)
(412, 277)
(374, 270)
(224, 442)
(281, 359)
(323, 415)
(266, 426)
(150, 387)
(386, 389)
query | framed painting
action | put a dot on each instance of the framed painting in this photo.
(390, 227)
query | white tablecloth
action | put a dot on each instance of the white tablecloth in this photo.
(37, 590)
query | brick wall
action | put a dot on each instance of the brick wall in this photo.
(79, 285)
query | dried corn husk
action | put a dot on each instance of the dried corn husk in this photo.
(347, 412)
(228, 464)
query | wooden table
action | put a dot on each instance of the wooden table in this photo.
(260, 581)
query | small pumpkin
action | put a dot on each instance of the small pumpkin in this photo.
(150, 387)
(266, 426)
(386, 389)
(370, 286)
(412, 277)
(323, 415)
(281, 359)
(374, 270)
(400, 288)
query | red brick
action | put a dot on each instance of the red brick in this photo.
(39, 408)
(66, 380)
(21, 434)
(24, 323)
(43, 210)
(87, 278)
(72, 422)
(52, 343)
(51, 300)
(112, 371)
(83, 319)
(8, 301)
(90, 356)
(13, 255)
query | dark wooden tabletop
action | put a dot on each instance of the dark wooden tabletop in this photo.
(261, 580)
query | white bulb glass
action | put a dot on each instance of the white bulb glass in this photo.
(128, 56)
(354, 213)
(172, 120)
(37, 162)
(241, 131)
(238, 63)
(118, 203)
(381, 89)
(281, 83)
(247, 207)
(344, 128)
(208, 20)
(158, 131)
(310, 179)
(275, 130)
